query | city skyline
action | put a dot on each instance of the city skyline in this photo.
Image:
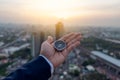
(71, 12)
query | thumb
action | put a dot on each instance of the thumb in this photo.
(50, 39)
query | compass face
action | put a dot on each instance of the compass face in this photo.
(59, 45)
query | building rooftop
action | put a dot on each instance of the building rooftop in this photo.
(90, 68)
(107, 58)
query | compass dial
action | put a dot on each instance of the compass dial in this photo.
(59, 45)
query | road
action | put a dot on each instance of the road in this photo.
(112, 40)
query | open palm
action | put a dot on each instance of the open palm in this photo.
(48, 50)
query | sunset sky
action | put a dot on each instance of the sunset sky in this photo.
(71, 12)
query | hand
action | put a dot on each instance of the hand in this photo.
(47, 49)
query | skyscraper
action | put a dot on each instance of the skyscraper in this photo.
(59, 30)
(37, 38)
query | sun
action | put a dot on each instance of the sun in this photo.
(62, 15)
(54, 8)
(51, 11)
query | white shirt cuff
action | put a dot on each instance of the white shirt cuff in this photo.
(51, 65)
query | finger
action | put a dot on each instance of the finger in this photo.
(73, 37)
(74, 40)
(50, 39)
(66, 36)
(71, 47)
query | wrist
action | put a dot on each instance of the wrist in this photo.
(53, 62)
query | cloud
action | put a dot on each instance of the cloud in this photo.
(92, 12)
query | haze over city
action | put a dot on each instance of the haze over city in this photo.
(71, 12)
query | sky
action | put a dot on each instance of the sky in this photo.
(71, 12)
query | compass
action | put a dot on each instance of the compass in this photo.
(59, 45)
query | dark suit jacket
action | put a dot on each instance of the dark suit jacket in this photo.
(37, 69)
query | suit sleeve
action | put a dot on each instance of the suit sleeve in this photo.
(37, 69)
